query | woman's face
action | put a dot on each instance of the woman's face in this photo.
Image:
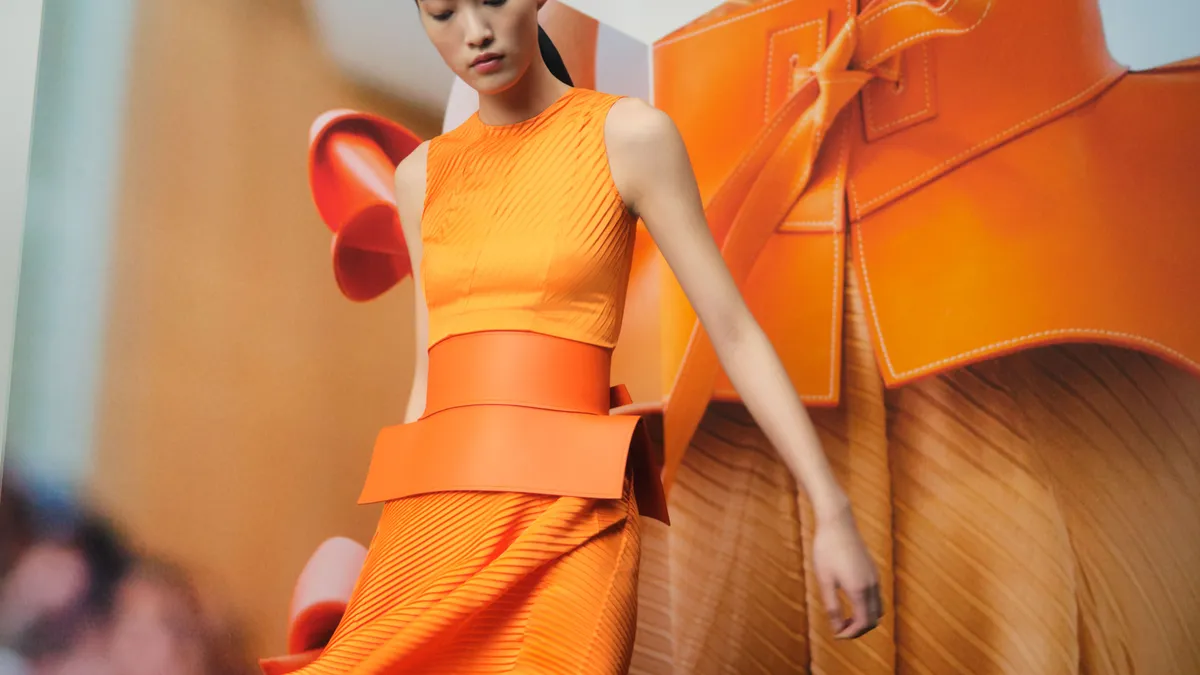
(490, 44)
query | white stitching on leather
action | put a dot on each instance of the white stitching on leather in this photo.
(842, 171)
(1095, 332)
(1104, 81)
(725, 22)
(868, 97)
(833, 324)
(887, 52)
(1011, 342)
(838, 279)
(771, 60)
(862, 257)
(867, 21)
(741, 166)
(839, 282)
(817, 225)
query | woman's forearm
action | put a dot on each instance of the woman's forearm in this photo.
(420, 386)
(420, 379)
(756, 372)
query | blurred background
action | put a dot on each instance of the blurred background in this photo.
(192, 403)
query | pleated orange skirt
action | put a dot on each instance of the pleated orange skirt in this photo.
(478, 582)
(509, 540)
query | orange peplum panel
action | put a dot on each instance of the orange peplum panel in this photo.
(511, 411)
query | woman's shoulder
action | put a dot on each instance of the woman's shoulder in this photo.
(410, 173)
(644, 148)
(636, 126)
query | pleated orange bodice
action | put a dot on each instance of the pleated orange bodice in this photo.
(523, 228)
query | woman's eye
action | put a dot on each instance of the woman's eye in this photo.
(442, 16)
(494, 3)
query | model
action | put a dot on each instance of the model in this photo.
(509, 539)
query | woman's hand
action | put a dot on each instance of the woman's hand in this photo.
(841, 562)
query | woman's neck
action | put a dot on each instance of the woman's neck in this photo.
(535, 91)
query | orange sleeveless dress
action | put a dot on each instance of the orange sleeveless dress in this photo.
(509, 541)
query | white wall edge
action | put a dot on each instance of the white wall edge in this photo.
(20, 38)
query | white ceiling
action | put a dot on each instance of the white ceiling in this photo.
(381, 43)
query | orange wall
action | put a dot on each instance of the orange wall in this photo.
(241, 393)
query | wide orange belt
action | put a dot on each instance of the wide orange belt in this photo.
(511, 411)
(518, 369)
(756, 198)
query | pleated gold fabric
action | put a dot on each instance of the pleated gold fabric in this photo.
(476, 583)
(1033, 515)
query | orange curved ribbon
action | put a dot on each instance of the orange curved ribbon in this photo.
(755, 200)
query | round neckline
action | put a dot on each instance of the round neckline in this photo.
(558, 103)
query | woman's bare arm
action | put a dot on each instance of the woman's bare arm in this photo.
(410, 200)
(651, 168)
(652, 171)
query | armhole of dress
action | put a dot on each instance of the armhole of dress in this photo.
(425, 192)
(606, 111)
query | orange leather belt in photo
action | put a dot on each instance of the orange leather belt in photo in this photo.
(1000, 186)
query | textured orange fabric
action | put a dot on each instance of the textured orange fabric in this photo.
(474, 583)
(524, 229)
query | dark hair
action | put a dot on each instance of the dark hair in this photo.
(552, 58)
(108, 560)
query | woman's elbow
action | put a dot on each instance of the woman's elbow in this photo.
(734, 331)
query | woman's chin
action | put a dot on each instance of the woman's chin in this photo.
(491, 83)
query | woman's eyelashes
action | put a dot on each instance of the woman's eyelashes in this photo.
(445, 15)
(438, 10)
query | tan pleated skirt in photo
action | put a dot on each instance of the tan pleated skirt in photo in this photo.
(1034, 515)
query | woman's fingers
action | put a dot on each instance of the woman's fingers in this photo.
(861, 621)
(866, 606)
(876, 603)
(833, 606)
